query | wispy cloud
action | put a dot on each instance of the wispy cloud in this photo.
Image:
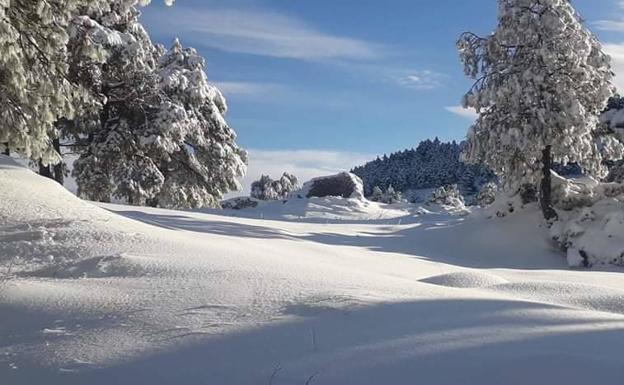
(260, 32)
(250, 89)
(467, 113)
(305, 164)
(616, 51)
(423, 80)
(612, 25)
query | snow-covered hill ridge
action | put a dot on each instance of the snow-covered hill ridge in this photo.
(128, 295)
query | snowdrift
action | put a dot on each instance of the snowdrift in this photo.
(117, 294)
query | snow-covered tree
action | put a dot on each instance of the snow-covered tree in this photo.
(288, 183)
(431, 164)
(200, 159)
(377, 195)
(118, 60)
(159, 136)
(487, 194)
(447, 196)
(263, 189)
(391, 195)
(37, 87)
(267, 189)
(34, 89)
(541, 81)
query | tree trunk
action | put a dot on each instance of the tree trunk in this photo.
(6, 151)
(58, 168)
(546, 186)
(45, 170)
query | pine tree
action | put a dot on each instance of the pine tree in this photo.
(159, 137)
(118, 60)
(37, 87)
(377, 195)
(541, 81)
(432, 164)
(289, 184)
(200, 159)
(391, 196)
(34, 88)
(263, 189)
(268, 189)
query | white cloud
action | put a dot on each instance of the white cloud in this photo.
(616, 51)
(610, 25)
(423, 80)
(237, 88)
(258, 32)
(305, 164)
(467, 113)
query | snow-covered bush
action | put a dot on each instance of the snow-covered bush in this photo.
(593, 235)
(389, 196)
(377, 195)
(487, 194)
(591, 221)
(344, 184)
(267, 189)
(447, 196)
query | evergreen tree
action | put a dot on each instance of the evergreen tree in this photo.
(542, 80)
(34, 88)
(377, 195)
(118, 59)
(267, 189)
(159, 137)
(263, 189)
(391, 196)
(37, 87)
(432, 164)
(200, 160)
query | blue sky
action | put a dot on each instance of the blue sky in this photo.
(315, 86)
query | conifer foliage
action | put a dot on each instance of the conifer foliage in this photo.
(147, 125)
(432, 164)
(34, 89)
(201, 161)
(267, 189)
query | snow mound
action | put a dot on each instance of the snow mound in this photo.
(594, 235)
(42, 224)
(315, 305)
(569, 294)
(327, 209)
(96, 267)
(465, 279)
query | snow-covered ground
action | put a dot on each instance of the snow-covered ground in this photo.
(327, 291)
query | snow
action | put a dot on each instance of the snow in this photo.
(323, 291)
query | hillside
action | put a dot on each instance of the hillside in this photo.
(286, 294)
